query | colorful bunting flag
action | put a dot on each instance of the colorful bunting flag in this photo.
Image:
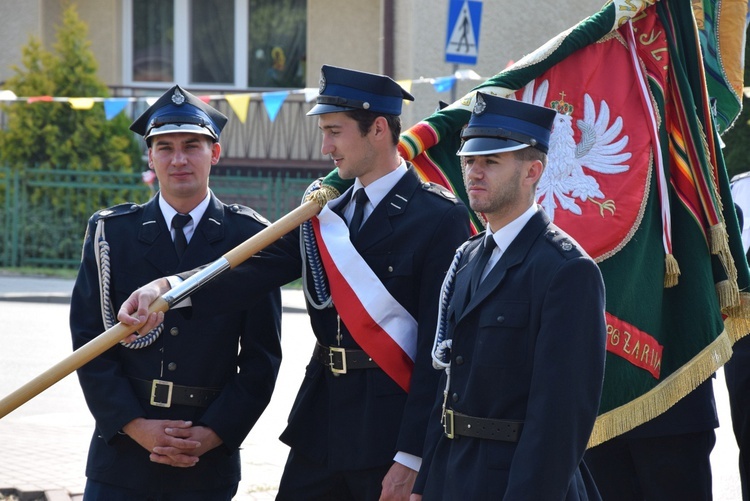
(81, 103)
(273, 102)
(239, 104)
(444, 84)
(113, 106)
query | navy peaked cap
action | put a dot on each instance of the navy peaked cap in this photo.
(342, 89)
(499, 124)
(177, 110)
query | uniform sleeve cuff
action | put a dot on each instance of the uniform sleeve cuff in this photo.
(408, 460)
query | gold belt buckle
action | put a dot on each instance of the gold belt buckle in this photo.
(448, 423)
(158, 387)
(332, 364)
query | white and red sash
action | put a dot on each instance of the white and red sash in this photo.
(377, 322)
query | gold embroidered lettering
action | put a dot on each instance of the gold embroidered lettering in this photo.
(613, 334)
(627, 342)
(646, 349)
(636, 349)
(648, 39)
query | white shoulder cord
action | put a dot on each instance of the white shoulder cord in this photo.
(311, 256)
(101, 251)
(441, 346)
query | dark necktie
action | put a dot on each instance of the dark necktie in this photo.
(178, 223)
(488, 245)
(360, 199)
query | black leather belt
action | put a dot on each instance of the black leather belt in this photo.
(165, 393)
(455, 424)
(340, 360)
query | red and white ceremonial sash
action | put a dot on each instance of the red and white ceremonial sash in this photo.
(377, 322)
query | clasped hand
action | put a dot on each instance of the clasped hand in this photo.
(172, 442)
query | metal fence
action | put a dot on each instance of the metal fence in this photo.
(44, 212)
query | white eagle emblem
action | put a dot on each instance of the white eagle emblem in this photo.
(565, 182)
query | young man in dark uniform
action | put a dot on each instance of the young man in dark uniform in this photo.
(188, 393)
(525, 331)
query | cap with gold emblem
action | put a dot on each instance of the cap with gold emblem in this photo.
(499, 124)
(177, 110)
(342, 89)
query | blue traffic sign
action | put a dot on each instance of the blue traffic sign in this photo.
(462, 38)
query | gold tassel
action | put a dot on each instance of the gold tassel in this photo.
(729, 295)
(672, 273)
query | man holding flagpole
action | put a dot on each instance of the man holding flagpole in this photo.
(368, 389)
(380, 252)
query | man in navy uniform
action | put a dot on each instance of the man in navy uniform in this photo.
(186, 394)
(526, 327)
(356, 428)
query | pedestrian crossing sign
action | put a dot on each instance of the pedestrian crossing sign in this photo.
(462, 38)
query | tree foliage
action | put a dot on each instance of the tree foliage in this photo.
(62, 147)
(54, 134)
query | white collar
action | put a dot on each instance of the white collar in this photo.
(378, 189)
(196, 214)
(505, 235)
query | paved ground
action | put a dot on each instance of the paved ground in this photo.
(45, 441)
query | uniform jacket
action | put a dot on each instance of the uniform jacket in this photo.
(528, 346)
(196, 348)
(360, 419)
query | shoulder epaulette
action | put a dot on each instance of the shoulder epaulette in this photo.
(117, 210)
(247, 211)
(439, 190)
(562, 242)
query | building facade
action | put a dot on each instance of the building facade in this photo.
(218, 47)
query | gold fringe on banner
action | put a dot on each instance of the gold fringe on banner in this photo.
(672, 273)
(728, 294)
(737, 322)
(665, 395)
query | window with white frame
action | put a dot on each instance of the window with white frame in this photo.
(215, 43)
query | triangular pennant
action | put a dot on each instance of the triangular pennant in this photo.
(443, 84)
(239, 104)
(113, 106)
(81, 103)
(273, 102)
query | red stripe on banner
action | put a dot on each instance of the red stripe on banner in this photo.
(634, 345)
(364, 329)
